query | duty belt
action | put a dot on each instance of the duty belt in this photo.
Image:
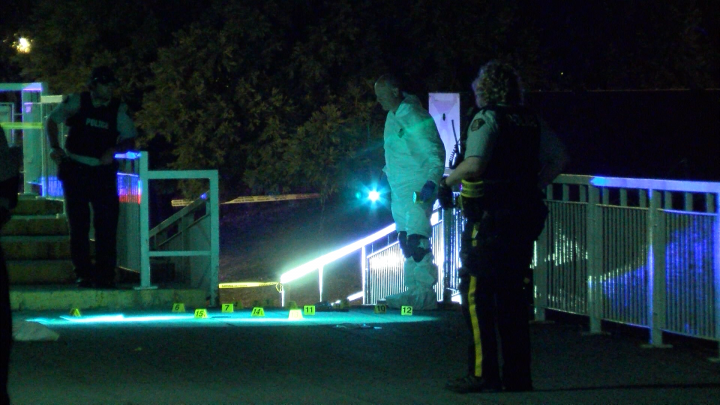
(481, 195)
(479, 188)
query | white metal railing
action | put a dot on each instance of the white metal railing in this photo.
(200, 239)
(383, 269)
(319, 263)
(375, 266)
(635, 251)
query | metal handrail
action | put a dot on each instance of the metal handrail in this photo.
(171, 220)
(138, 227)
(644, 252)
(319, 263)
(360, 245)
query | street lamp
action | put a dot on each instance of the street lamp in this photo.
(22, 45)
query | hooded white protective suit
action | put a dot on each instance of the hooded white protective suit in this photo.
(414, 154)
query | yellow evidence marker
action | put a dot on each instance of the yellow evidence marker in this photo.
(295, 314)
(75, 312)
(258, 311)
(201, 313)
(309, 310)
(406, 310)
(178, 307)
(228, 308)
(380, 309)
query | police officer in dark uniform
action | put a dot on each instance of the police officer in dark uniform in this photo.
(9, 183)
(509, 158)
(99, 127)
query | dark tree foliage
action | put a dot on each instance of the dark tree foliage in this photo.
(281, 93)
(619, 45)
(278, 95)
(70, 37)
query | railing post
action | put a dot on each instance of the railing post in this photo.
(363, 270)
(320, 281)
(594, 247)
(540, 274)
(45, 147)
(656, 265)
(713, 206)
(448, 251)
(144, 192)
(214, 198)
(542, 263)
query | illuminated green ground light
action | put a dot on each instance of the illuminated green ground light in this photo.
(352, 319)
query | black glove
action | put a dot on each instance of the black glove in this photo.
(445, 195)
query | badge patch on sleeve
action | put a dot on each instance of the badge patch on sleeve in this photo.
(477, 124)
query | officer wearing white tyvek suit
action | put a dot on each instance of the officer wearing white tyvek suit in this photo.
(414, 162)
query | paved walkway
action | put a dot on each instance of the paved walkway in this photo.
(355, 357)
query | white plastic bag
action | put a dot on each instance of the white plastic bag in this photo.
(27, 331)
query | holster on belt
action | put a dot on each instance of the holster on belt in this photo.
(479, 196)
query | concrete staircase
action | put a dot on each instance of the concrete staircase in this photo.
(36, 243)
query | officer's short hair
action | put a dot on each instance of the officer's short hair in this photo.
(390, 80)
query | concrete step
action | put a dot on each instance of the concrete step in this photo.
(64, 298)
(40, 272)
(36, 225)
(33, 205)
(36, 247)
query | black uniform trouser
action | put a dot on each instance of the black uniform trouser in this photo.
(84, 186)
(5, 329)
(496, 252)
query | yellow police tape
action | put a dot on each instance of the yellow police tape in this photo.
(265, 198)
(21, 125)
(255, 199)
(246, 284)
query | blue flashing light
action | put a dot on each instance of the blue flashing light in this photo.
(660, 185)
(128, 155)
(36, 87)
(599, 181)
(372, 194)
